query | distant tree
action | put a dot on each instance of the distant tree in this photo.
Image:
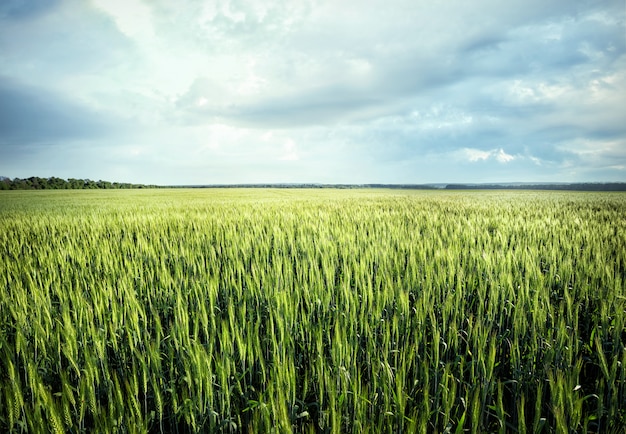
(57, 183)
(18, 184)
(33, 183)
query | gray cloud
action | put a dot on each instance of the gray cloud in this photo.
(538, 51)
(22, 9)
(31, 115)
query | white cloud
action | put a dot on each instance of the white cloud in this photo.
(502, 157)
(290, 151)
(132, 17)
(474, 155)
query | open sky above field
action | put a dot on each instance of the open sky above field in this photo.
(394, 91)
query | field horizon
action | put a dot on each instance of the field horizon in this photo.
(55, 183)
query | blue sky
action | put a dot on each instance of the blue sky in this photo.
(368, 91)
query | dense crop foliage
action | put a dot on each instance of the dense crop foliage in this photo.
(312, 311)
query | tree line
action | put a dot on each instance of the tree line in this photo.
(54, 183)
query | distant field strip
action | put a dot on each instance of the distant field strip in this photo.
(340, 311)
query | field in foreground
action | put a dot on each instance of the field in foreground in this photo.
(312, 311)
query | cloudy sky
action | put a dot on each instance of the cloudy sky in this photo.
(329, 91)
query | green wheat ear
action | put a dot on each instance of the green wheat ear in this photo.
(309, 311)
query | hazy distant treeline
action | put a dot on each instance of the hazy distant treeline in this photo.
(607, 186)
(53, 183)
(319, 186)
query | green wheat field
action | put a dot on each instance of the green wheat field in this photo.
(312, 311)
